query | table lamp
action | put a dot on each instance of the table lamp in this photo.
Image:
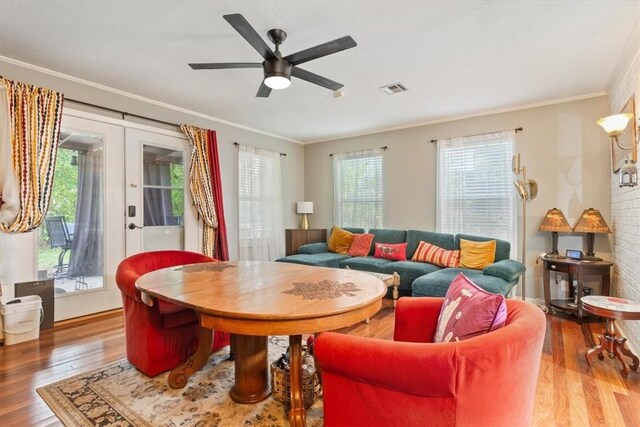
(591, 222)
(555, 222)
(304, 208)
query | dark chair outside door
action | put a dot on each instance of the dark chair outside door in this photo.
(59, 237)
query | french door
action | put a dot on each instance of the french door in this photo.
(159, 213)
(81, 242)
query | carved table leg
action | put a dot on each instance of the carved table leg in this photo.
(396, 282)
(251, 369)
(181, 373)
(627, 352)
(597, 349)
(297, 413)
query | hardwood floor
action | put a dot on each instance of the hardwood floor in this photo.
(570, 393)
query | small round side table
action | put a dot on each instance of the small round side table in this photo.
(613, 308)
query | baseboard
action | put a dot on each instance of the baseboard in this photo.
(108, 313)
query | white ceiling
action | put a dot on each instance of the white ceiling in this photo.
(456, 58)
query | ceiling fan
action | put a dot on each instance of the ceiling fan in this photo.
(277, 69)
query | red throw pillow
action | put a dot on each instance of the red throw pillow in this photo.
(360, 245)
(436, 255)
(394, 252)
(469, 310)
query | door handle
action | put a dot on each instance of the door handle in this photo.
(132, 226)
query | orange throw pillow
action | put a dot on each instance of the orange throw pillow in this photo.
(361, 245)
(340, 240)
(436, 255)
(477, 255)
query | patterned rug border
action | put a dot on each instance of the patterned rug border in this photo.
(117, 394)
(60, 406)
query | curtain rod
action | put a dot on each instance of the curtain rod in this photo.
(237, 144)
(123, 113)
(382, 148)
(516, 130)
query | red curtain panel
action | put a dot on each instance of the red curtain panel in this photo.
(221, 250)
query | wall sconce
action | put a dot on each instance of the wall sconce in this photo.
(616, 124)
(591, 222)
(527, 190)
(304, 208)
(628, 174)
(555, 222)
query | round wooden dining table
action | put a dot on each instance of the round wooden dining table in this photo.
(253, 300)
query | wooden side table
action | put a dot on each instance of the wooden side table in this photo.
(575, 269)
(611, 342)
(296, 237)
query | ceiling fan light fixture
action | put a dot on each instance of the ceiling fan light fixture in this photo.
(277, 81)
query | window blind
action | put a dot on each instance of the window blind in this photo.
(358, 195)
(260, 219)
(475, 190)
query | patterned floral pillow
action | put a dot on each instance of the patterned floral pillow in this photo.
(436, 255)
(394, 252)
(468, 311)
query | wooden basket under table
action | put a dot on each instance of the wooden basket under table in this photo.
(281, 389)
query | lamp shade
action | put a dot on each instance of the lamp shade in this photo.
(304, 207)
(616, 124)
(555, 220)
(591, 221)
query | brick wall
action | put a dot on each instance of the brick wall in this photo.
(625, 202)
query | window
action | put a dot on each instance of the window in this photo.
(261, 227)
(475, 190)
(357, 178)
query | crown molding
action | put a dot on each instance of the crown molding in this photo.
(468, 116)
(139, 98)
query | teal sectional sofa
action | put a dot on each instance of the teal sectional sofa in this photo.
(418, 278)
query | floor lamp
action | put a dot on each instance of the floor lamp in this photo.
(527, 190)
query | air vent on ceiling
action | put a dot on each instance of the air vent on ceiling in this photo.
(394, 88)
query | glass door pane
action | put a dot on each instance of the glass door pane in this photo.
(163, 198)
(71, 240)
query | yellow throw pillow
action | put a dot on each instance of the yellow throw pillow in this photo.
(477, 255)
(340, 240)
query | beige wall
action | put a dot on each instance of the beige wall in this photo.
(562, 147)
(625, 202)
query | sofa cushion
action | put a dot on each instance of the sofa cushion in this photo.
(436, 284)
(340, 240)
(361, 245)
(386, 236)
(408, 271)
(394, 252)
(436, 255)
(468, 311)
(414, 237)
(365, 263)
(313, 248)
(325, 259)
(507, 269)
(503, 248)
(354, 230)
(477, 255)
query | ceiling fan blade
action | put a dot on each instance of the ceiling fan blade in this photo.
(222, 66)
(321, 50)
(245, 29)
(315, 79)
(264, 91)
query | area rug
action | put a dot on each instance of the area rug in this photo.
(119, 395)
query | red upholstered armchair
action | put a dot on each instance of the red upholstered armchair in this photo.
(488, 380)
(158, 338)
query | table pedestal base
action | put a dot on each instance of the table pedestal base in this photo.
(615, 347)
(251, 369)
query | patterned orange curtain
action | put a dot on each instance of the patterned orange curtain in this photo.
(29, 136)
(200, 186)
